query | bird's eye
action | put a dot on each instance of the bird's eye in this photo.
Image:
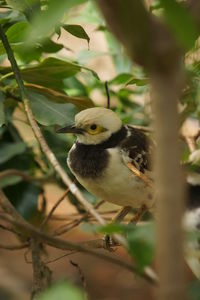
(93, 127)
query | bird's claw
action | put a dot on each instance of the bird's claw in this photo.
(109, 243)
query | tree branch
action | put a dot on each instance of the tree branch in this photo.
(48, 217)
(14, 247)
(40, 276)
(85, 247)
(149, 42)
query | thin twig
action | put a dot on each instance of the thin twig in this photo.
(60, 257)
(73, 216)
(64, 229)
(107, 94)
(82, 277)
(19, 173)
(45, 221)
(14, 247)
(9, 229)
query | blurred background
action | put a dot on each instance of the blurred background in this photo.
(65, 60)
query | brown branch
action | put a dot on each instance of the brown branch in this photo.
(150, 43)
(9, 229)
(39, 275)
(73, 224)
(82, 278)
(14, 247)
(145, 37)
(45, 221)
(85, 247)
(9, 208)
(26, 177)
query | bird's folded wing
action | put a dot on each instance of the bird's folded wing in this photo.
(137, 149)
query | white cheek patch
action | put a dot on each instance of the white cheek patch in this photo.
(89, 139)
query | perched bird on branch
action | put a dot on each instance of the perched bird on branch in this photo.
(113, 162)
(99, 158)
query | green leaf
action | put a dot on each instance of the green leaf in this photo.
(138, 81)
(22, 4)
(49, 113)
(8, 150)
(77, 31)
(121, 79)
(15, 35)
(4, 17)
(48, 46)
(2, 112)
(50, 73)
(181, 23)
(25, 163)
(61, 97)
(62, 291)
(24, 196)
(141, 245)
(43, 24)
(58, 142)
(194, 290)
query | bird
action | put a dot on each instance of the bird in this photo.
(100, 159)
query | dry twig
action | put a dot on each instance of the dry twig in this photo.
(45, 221)
(14, 247)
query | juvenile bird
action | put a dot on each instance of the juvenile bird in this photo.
(99, 158)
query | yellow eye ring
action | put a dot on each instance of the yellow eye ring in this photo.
(94, 129)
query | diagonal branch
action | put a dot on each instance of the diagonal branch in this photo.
(39, 136)
(87, 247)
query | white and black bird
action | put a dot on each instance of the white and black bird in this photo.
(99, 158)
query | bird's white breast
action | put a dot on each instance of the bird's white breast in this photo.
(118, 184)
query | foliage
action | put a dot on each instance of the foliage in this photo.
(58, 86)
(62, 291)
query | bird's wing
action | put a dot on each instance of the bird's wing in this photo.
(137, 149)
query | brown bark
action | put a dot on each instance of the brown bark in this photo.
(148, 42)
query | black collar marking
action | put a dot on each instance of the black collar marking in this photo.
(90, 160)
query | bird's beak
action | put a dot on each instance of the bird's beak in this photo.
(71, 129)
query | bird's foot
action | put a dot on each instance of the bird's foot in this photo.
(109, 243)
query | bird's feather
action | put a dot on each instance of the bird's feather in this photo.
(137, 148)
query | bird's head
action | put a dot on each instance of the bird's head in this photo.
(94, 125)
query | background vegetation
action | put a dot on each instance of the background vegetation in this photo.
(60, 82)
